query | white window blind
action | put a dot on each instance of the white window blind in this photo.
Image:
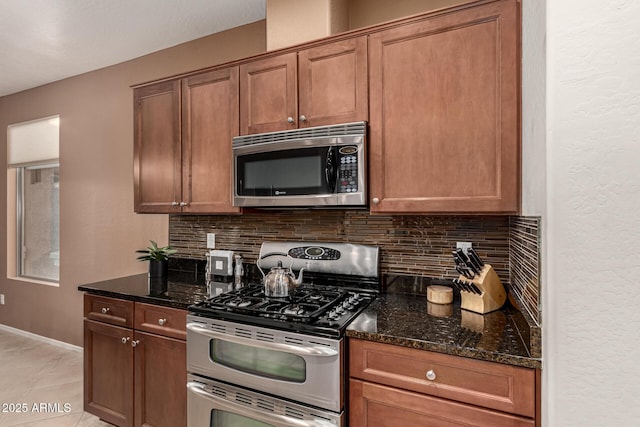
(34, 142)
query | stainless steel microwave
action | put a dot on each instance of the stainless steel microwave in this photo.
(312, 167)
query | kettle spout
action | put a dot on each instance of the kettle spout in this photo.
(298, 281)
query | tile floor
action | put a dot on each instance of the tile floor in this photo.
(32, 373)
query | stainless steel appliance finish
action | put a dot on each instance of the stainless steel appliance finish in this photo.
(212, 403)
(324, 257)
(299, 367)
(311, 167)
(287, 350)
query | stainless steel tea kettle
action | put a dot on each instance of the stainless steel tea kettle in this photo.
(280, 282)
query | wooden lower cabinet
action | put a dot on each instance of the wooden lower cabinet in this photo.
(160, 378)
(396, 386)
(375, 405)
(132, 377)
(108, 368)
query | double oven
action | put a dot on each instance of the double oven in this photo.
(262, 361)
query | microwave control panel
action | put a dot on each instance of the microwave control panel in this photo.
(348, 169)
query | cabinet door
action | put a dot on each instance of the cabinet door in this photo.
(269, 94)
(160, 381)
(210, 120)
(332, 83)
(157, 168)
(374, 405)
(108, 372)
(445, 113)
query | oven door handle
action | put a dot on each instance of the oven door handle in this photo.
(250, 412)
(317, 351)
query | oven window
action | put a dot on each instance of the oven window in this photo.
(229, 419)
(274, 364)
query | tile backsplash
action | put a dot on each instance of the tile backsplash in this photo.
(416, 245)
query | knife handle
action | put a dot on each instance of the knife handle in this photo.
(473, 255)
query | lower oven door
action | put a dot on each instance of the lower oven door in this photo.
(299, 367)
(211, 403)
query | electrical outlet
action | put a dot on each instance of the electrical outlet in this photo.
(211, 240)
(464, 246)
(1, 299)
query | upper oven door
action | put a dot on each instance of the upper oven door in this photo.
(298, 367)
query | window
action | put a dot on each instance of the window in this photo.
(33, 164)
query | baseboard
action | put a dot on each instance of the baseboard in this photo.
(41, 338)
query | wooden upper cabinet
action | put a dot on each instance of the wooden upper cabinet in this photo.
(332, 82)
(445, 112)
(156, 164)
(321, 85)
(183, 133)
(269, 94)
(209, 122)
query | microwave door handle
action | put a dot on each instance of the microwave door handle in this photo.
(317, 351)
(330, 170)
(247, 411)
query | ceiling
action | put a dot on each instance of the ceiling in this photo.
(42, 41)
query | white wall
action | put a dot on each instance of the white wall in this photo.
(591, 310)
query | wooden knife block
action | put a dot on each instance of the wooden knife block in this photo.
(493, 293)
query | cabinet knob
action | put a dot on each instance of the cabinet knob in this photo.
(303, 118)
(135, 343)
(431, 375)
(105, 310)
(289, 119)
(174, 203)
(125, 340)
(162, 322)
(183, 203)
(375, 200)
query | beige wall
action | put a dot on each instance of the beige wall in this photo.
(363, 13)
(99, 230)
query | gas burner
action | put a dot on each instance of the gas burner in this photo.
(239, 302)
(293, 309)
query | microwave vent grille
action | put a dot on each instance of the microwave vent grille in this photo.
(347, 129)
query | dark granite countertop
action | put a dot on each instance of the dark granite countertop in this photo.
(400, 316)
(183, 289)
(403, 316)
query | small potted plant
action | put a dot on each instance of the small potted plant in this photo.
(158, 258)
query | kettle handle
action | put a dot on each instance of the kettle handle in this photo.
(268, 255)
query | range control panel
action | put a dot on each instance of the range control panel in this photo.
(348, 169)
(314, 252)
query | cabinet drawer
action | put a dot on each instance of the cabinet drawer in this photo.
(108, 310)
(374, 405)
(170, 322)
(491, 385)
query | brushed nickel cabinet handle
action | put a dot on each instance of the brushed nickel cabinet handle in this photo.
(135, 343)
(303, 118)
(162, 322)
(174, 203)
(375, 200)
(105, 310)
(431, 375)
(183, 203)
(289, 119)
(125, 340)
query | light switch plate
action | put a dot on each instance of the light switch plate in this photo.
(1, 299)
(211, 240)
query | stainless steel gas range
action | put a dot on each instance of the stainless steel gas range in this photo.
(265, 361)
